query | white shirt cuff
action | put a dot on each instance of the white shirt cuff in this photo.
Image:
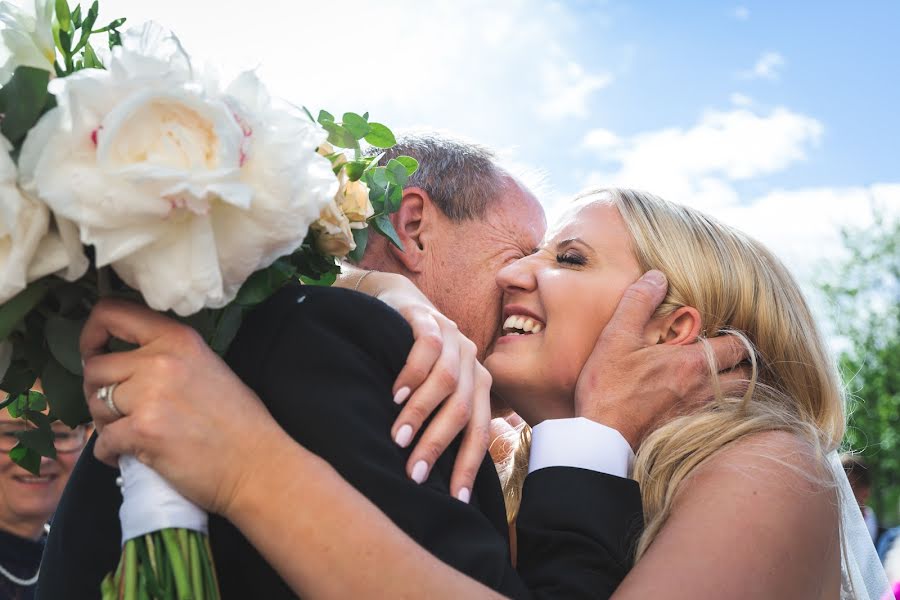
(582, 443)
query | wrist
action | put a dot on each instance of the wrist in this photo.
(609, 419)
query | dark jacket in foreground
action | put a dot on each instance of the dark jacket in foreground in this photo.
(324, 361)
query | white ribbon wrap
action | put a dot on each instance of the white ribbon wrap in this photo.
(149, 503)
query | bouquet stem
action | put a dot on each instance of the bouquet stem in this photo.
(171, 564)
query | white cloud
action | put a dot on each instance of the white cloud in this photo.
(768, 66)
(739, 99)
(479, 69)
(699, 165)
(741, 13)
(601, 139)
(568, 89)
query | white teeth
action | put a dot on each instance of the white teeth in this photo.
(537, 328)
(520, 322)
(510, 321)
(528, 325)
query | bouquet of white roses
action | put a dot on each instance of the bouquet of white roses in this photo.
(128, 171)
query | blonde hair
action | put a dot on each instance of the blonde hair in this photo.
(741, 289)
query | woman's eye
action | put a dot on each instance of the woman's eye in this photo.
(570, 258)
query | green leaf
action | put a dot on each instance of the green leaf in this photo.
(26, 458)
(63, 15)
(263, 283)
(356, 125)
(37, 402)
(113, 25)
(64, 394)
(361, 237)
(383, 225)
(76, 16)
(230, 319)
(325, 280)
(380, 136)
(39, 440)
(65, 41)
(18, 406)
(396, 172)
(21, 101)
(91, 60)
(18, 378)
(355, 169)
(62, 338)
(14, 310)
(325, 117)
(411, 164)
(89, 21)
(395, 197)
(339, 135)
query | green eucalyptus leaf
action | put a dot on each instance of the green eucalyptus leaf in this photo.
(396, 172)
(339, 136)
(324, 280)
(14, 310)
(37, 402)
(395, 197)
(18, 379)
(325, 117)
(411, 164)
(355, 169)
(380, 136)
(383, 225)
(18, 406)
(230, 320)
(62, 338)
(263, 283)
(361, 237)
(21, 101)
(39, 440)
(63, 15)
(26, 458)
(64, 394)
(356, 125)
(373, 160)
(379, 179)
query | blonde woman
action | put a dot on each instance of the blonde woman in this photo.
(740, 497)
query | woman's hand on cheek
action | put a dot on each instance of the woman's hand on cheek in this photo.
(185, 413)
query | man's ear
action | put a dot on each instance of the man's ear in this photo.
(680, 327)
(411, 222)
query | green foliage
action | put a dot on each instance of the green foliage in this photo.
(22, 102)
(864, 296)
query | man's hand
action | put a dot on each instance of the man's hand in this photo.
(629, 385)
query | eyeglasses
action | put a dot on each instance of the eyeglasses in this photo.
(64, 439)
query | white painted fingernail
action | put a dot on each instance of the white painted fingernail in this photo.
(420, 471)
(404, 436)
(464, 495)
(401, 395)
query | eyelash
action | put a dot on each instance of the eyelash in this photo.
(571, 259)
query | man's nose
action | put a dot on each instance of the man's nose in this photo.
(516, 276)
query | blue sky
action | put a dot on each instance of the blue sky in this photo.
(778, 117)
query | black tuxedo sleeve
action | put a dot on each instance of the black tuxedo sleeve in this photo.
(576, 531)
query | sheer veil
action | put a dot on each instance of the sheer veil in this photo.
(862, 576)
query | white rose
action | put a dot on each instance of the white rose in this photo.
(354, 201)
(334, 233)
(27, 39)
(184, 189)
(29, 247)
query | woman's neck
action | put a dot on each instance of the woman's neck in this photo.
(30, 528)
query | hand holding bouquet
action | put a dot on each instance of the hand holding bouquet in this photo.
(132, 173)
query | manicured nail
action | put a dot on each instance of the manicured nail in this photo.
(420, 471)
(401, 395)
(655, 277)
(404, 436)
(463, 495)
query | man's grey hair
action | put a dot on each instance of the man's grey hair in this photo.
(461, 178)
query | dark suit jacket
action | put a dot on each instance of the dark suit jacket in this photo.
(324, 361)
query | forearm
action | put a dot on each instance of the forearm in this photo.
(327, 540)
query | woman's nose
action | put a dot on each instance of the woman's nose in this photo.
(517, 275)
